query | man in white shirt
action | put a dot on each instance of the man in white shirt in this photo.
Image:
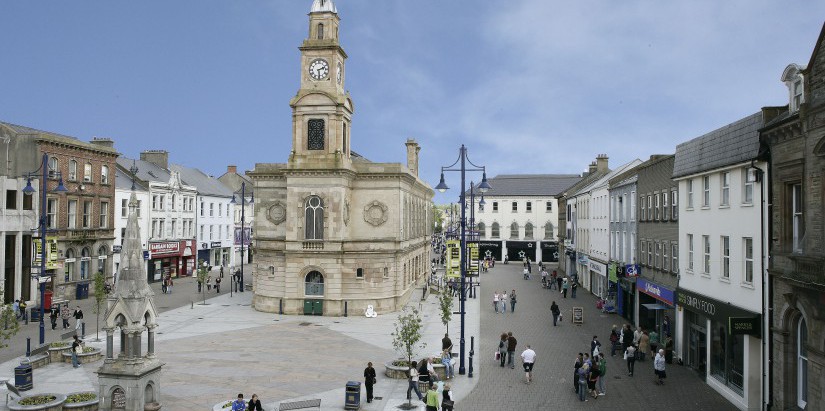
(528, 357)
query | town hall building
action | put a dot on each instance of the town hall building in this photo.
(334, 231)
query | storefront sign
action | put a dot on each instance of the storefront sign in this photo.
(167, 248)
(519, 250)
(584, 260)
(598, 268)
(549, 251)
(655, 290)
(632, 270)
(717, 310)
(490, 250)
(578, 315)
(746, 325)
(116, 249)
(216, 244)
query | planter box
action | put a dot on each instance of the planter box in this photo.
(84, 358)
(91, 405)
(56, 405)
(55, 354)
(400, 373)
(38, 361)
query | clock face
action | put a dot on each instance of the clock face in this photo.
(319, 69)
(338, 74)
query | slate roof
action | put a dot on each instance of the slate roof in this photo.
(734, 143)
(29, 130)
(146, 171)
(51, 136)
(630, 173)
(608, 175)
(123, 181)
(530, 184)
(205, 184)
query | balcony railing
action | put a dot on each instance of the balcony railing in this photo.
(313, 245)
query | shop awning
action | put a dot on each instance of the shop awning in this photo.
(655, 306)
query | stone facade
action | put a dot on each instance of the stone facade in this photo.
(795, 138)
(332, 229)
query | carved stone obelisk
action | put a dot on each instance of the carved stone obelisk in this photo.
(131, 380)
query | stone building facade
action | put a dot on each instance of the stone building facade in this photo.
(794, 137)
(334, 231)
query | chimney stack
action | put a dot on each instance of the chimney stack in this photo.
(412, 156)
(232, 169)
(159, 158)
(103, 142)
(601, 163)
(591, 168)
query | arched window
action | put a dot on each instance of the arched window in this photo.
(70, 265)
(801, 364)
(320, 31)
(314, 283)
(104, 174)
(314, 218)
(548, 231)
(482, 230)
(85, 259)
(72, 170)
(528, 230)
(101, 264)
(495, 231)
(54, 167)
(87, 172)
(514, 230)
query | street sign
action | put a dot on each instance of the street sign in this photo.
(578, 315)
(744, 325)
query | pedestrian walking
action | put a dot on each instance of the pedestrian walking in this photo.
(511, 349)
(627, 337)
(544, 283)
(644, 345)
(54, 312)
(526, 273)
(654, 341)
(513, 301)
(659, 367)
(413, 381)
(602, 373)
(78, 316)
(555, 311)
(559, 280)
(65, 314)
(528, 358)
(77, 348)
(503, 301)
(564, 286)
(169, 284)
(218, 285)
(582, 380)
(614, 341)
(255, 404)
(502, 348)
(431, 401)
(574, 287)
(369, 380)
(592, 378)
(221, 271)
(447, 398)
(495, 300)
(630, 356)
(16, 308)
(554, 278)
(209, 283)
(595, 346)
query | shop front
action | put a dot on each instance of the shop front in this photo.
(598, 278)
(490, 250)
(722, 342)
(171, 258)
(549, 251)
(656, 307)
(519, 250)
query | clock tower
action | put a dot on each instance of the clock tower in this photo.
(322, 109)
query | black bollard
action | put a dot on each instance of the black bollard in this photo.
(346, 306)
(28, 347)
(82, 330)
(472, 352)
(281, 307)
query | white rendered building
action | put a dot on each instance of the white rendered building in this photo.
(123, 191)
(722, 187)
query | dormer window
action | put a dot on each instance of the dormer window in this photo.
(795, 81)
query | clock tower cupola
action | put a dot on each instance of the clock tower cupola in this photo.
(322, 110)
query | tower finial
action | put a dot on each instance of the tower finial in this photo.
(319, 6)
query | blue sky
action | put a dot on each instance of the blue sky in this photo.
(530, 86)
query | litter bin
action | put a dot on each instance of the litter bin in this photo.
(23, 377)
(353, 395)
(47, 299)
(82, 291)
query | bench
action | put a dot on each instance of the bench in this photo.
(12, 390)
(68, 335)
(299, 405)
(39, 350)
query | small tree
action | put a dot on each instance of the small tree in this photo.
(100, 298)
(445, 302)
(8, 322)
(203, 274)
(407, 336)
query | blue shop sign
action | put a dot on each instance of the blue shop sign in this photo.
(655, 290)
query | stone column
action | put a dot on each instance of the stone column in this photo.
(150, 342)
(110, 342)
(127, 344)
(136, 342)
(122, 344)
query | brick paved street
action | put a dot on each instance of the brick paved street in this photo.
(556, 349)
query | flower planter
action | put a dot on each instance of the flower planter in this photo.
(88, 405)
(226, 405)
(56, 353)
(152, 406)
(85, 357)
(400, 372)
(54, 405)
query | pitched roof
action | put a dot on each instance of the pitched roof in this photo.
(629, 173)
(607, 176)
(146, 171)
(123, 181)
(734, 143)
(530, 184)
(205, 184)
(56, 137)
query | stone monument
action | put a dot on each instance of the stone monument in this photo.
(131, 381)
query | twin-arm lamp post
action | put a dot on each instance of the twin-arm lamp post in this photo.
(43, 226)
(482, 187)
(244, 238)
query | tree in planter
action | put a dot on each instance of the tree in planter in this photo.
(8, 322)
(100, 298)
(203, 274)
(445, 302)
(407, 337)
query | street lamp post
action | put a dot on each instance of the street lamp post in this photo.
(243, 203)
(42, 225)
(483, 187)
(474, 236)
